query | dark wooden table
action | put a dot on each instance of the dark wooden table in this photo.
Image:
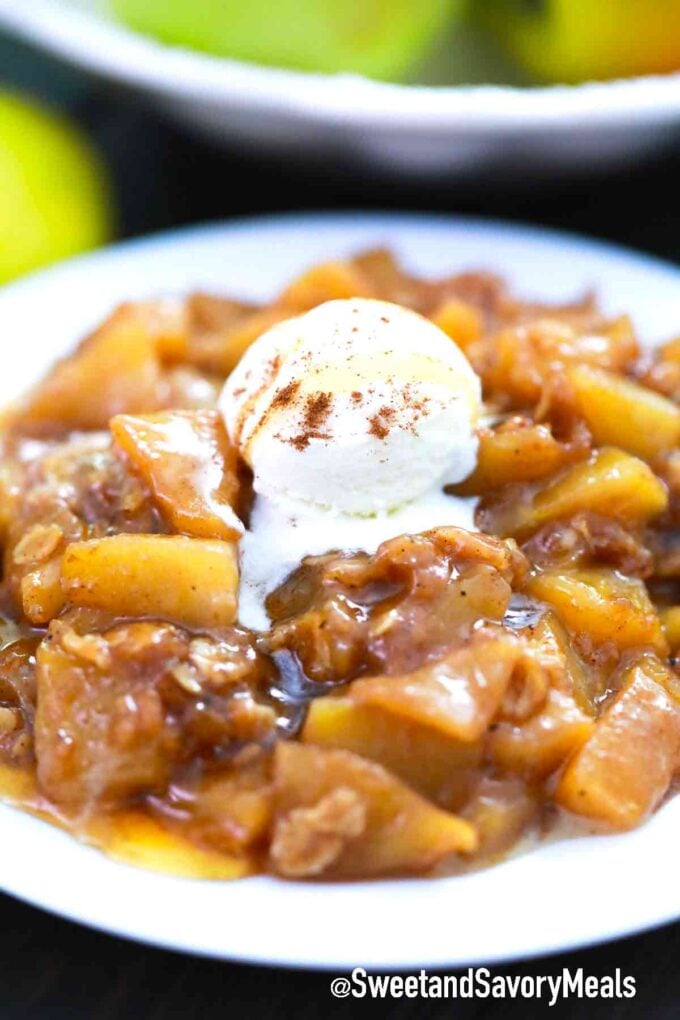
(52, 969)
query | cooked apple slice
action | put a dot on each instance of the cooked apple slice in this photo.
(42, 594)
(538, 746)
(328, 281)
(102, 735)
(218, 347)
(535, 743)
(187, 461)
(340, 816)
(518, 452)
(603, 603)
(457, 695)
(501, 809)
(117, 369)
(460, 320)
(610, 482)
(134, 838)
(620, 412)
(189, 580)
(670, 621)
(438, 766)
(525, 356)
(624, 769)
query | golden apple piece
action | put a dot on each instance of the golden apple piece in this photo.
(670, 621)
(610, 482)
(536, 743)
(42, 594)
(525, 355)
(624, 769)
(518, 452)
(620, 412)
(101, 735)
(457, 695)
(228, 812)
(191, 581)
(341, 816)
(328, 281)
(440, 767)
(187, 461)
(117, 369)
(218, 350)
(501, 809)
(460, 321)
(602, 603)
(539, 745)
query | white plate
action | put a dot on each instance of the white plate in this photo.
(560, 895)
(454, 130)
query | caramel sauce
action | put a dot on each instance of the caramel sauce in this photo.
(129, 836)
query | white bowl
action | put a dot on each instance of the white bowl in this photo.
(560, 895)
(458, 130)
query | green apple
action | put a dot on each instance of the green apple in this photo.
(378, 38)
(54, 193)
(576, 40)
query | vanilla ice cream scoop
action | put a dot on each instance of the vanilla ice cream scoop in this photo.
(352, 417)
(358, 407)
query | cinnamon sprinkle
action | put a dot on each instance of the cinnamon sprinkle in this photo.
(380, 423)
(286, 396)
(302, 441)
(316, 410)
(377, 427)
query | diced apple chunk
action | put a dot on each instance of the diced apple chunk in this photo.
(229, 812)
(518, 452)
(500, 810)
(538, 746)
(605, 604)
(340, 816)
(189, 580)
(42, 595)
(622, 413)
(610, 482)
(101, 734)
(115, 370)
(526, 356)
(549, 642)
(537, 743)
(624, 769)
(437, 766)
(220, 353)
(187, 461)
(670, 621)
(457, 695)
(459, 320)
(328, 281)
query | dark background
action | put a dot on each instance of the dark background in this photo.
(52, 969)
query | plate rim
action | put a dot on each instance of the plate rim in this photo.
(319, 218)
(315, 222)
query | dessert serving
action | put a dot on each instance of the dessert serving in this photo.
(380, 578)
